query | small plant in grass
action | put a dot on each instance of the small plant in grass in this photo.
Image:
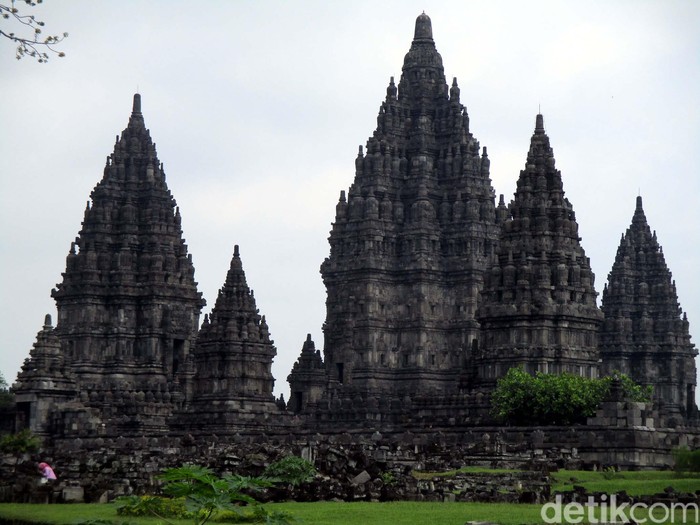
(611, 473)
(388, 478)
(290, 469)
(153, 505)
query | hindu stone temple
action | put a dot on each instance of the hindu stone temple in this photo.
(538, 306)
(434, 290)
(645, 333)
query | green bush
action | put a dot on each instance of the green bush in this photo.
(556, 399)
(686, 460)
(22, 442)
(290, 469)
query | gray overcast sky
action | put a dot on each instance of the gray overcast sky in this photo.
(257, 109)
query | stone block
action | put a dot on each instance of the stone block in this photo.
(73, 495)
(362, 478)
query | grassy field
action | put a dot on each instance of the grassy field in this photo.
(321, 513)
(634, 483)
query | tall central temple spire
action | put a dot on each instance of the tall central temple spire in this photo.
(410, 241)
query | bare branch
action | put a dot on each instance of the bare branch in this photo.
(29, 45)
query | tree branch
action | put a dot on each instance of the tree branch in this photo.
(32, 47)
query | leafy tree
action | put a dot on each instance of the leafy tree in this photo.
(31, 42)
(23, 442)
(5, 395)
(556, 399)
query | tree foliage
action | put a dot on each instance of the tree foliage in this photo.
(30, 41)
(23, 442)
(556, 399)
(6, 397)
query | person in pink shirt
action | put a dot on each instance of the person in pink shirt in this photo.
(47, 472)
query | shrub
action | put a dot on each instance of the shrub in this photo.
(290, 469)
(686, 460)
(556, 399)
(23, 442)
(156, 505)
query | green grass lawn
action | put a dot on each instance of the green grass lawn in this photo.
(634, 483)
(321, 513)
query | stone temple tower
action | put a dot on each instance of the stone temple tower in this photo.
(233, 360)
(128, 305)
(411, 239)
(645, 334)
(539, 305)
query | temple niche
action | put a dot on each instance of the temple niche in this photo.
(646, 334)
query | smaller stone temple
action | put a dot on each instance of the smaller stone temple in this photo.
(538, 306)
(646, 334)
(233, 380)
(308, 379)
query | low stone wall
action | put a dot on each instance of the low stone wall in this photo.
(356, 466)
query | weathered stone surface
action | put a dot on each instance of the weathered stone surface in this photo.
(362, 478)
(73, 494)
(307, 380)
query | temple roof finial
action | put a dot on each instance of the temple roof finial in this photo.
(137, 103)
(639, 203)
(424, 28)
(539, 123)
